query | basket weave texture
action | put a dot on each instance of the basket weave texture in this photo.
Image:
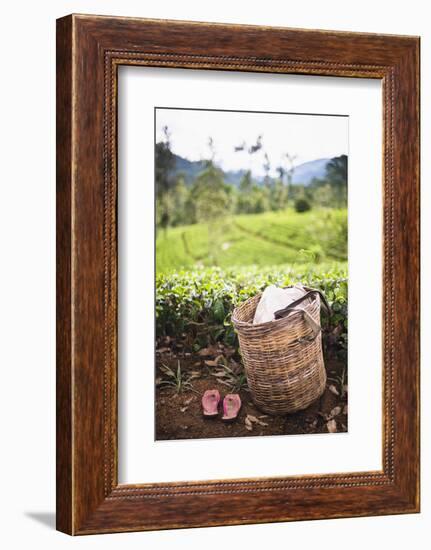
(283, 359)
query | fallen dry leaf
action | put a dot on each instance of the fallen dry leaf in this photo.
(335, 412)
(333, 389)
(183, 409)
(188, 401)
(252, 418)
(332, 426)
(204, 352)
(219, 374)
(248, 424)
(211, 363)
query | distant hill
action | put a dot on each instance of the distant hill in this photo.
(306, 172)
(190, 169)
(303, 174)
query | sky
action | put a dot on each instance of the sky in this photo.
(306, 137)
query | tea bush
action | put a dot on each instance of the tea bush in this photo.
(197, 305)
(302, 205)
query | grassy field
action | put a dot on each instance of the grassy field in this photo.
(271, 238)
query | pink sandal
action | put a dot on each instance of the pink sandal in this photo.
(210, 402)
(231, 407)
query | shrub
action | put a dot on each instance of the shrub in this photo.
(197, 305)
(302, 205)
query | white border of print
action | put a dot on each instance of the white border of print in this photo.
(141, 458)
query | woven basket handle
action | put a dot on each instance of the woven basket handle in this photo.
(315, 327)
(310, 292)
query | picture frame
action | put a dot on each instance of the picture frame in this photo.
(89, 51)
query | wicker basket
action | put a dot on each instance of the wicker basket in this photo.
(283, 358)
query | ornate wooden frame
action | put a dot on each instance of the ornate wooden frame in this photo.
(89, 51)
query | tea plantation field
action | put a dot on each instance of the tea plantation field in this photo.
(267, 239)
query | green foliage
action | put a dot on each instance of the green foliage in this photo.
(251, 197)
(199, 303)
(210, 195)
(164, 163)
(278, 195)
(234, 379)
(323, 195)
(179, 201)
(175, 379)
(331, 191)
(336, 171)
(207, 196)
(211, 204)
(302, 205)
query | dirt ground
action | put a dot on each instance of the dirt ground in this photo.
(179, 392)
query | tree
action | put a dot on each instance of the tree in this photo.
(252, 198)
(267, 169)
(278, 195)
(164, 165)
(210, 195)
(245, 201)
(260, 199)
(336, 175)
(179, 200)
(212, 204)
(289, 172)
(323, 195)
(246, 183)
(302, 205)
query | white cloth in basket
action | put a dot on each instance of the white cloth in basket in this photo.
(273, 299)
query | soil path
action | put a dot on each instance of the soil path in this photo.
(179, 415)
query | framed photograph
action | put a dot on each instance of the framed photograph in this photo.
(237, 212)
(237, 274)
